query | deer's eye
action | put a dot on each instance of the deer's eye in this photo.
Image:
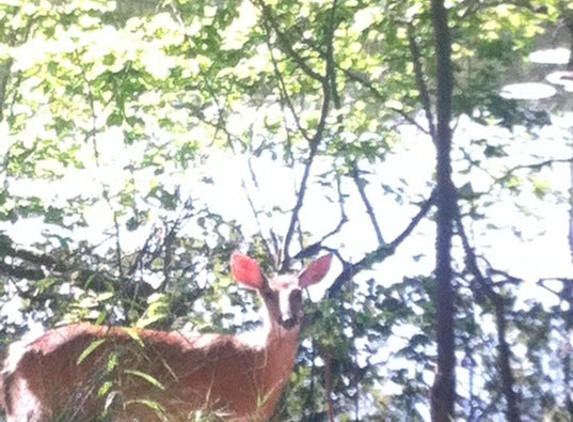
(295, 296)
(268, 294)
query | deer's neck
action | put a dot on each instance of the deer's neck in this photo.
(282, 346)
(275, 366)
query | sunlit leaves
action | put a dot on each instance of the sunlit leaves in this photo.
(108, 112)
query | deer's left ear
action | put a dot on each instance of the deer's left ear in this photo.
(246, 271)
(315, 271)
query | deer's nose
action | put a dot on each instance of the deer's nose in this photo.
(287, 317)
(288, 322)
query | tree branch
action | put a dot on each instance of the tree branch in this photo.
(379, 254)
(419, 75)
(369, 209)
(484, 287)
(316, 247)
(314, 142)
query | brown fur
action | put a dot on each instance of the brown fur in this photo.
(223, 376)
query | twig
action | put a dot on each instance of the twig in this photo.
(314, 142)
(533, 166)
(285, 44)
(484, 286)
(369, 209)
(254, 209)
(419, 75)
(382, 252)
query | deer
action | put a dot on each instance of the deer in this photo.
(86, 372)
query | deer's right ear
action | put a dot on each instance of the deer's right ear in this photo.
(246, 271)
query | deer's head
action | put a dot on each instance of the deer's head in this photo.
(282, 294)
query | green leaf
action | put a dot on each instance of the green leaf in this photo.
(115, 119)
(94, 345)
(134, 334)
(148, 378)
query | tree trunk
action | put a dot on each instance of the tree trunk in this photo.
(444, 388)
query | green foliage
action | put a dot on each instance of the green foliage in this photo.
(110, 110)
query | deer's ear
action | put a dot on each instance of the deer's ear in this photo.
(315, 271)
(246, 271)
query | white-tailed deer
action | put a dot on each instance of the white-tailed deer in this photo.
(84, 372)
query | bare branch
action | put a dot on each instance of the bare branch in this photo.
(314, 142)
(484, 287)
(381, 253)
(533, 166)
(254, 208)
(355, 77)
(360, 184)
(316, 247)
(419, 75)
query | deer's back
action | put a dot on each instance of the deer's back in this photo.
(80, 370)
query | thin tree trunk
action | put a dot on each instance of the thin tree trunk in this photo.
(444, 388)
(567, 296)
(504, 358)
